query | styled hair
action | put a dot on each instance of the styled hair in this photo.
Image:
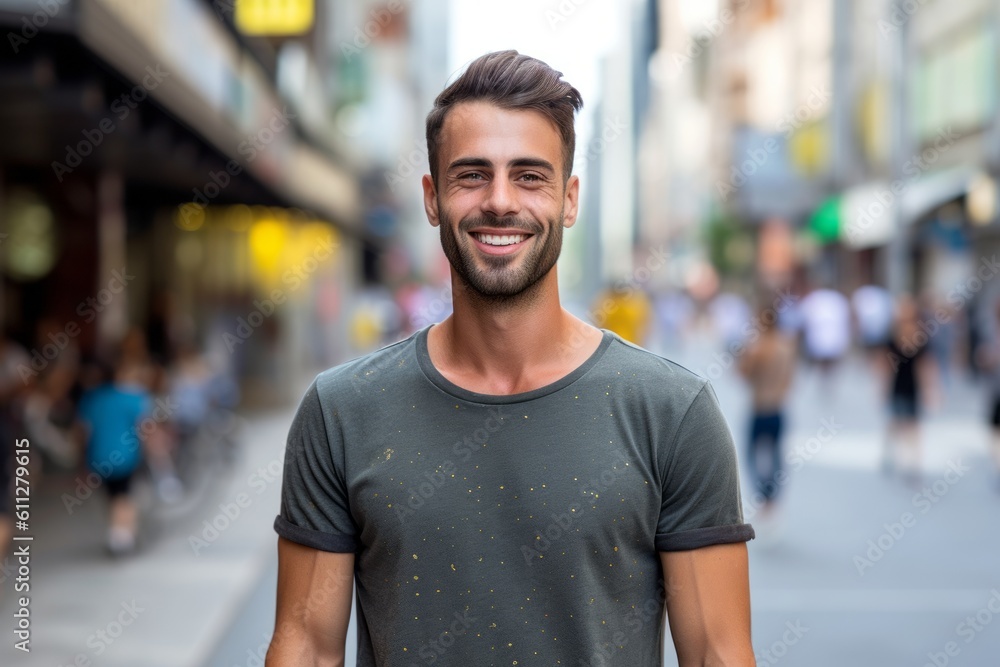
(510, 80)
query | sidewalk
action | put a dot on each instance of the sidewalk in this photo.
(167, 605)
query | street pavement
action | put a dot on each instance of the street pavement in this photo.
(858, 569)
(168, 604)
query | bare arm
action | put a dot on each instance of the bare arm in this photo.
(314, 607)
(747, 362)
(708, 605)
(927, 376)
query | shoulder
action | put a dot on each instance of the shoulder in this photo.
(662, 377)
(358, 375)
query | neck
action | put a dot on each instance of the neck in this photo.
(505, 344)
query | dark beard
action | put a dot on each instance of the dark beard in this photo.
(499, 284)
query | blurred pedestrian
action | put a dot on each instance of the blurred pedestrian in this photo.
(988, 359)
(943, 336)
(826, 321)
(910, 384)
(872, 305)
(768, 364)
(49, 402)
(110, 414)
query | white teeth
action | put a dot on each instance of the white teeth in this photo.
(493, 239)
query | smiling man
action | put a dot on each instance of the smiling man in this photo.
(512, 486)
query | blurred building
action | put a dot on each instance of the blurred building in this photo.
(203, 150)
(390, 63)
(738, 136)
(866, 129)
(954, 135)
(604, 249)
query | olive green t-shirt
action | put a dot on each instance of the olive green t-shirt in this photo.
(510, 530)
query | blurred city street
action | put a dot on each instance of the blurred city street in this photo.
(203, 203)
(168, 604)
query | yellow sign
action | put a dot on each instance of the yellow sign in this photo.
(274, 17)
(809, 147)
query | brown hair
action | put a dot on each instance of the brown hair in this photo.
(510, 80)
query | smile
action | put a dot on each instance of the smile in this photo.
(496, 240)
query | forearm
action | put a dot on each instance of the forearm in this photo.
(708, 606)
(297, 651)
(313, 607)
(737, 657)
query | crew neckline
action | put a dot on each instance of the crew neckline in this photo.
(449, 387)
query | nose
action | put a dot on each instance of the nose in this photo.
(501, 199)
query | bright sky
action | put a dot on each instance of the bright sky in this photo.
(569, 35)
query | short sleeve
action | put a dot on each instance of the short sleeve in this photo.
(701, 503)
(315, 510)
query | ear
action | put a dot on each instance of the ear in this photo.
(430, 200)
(571, 201)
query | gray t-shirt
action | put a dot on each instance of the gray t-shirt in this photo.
(510, 530)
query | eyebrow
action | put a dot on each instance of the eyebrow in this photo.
(538, 163)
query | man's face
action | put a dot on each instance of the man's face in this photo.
(500, 199)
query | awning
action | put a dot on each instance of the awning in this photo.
(929, 192)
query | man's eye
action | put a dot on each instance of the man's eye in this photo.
(471, 176)
(531, 178)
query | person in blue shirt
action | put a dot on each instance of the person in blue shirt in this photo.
(112, 414)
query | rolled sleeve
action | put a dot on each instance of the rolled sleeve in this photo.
(701, 503)
(315, 507)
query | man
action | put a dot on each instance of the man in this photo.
(511, 486)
